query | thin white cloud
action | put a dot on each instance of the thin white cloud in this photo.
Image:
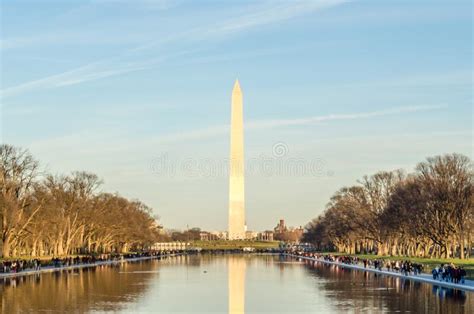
(82, 36)
(351, 116)
(219, 130)
(126, 62)
(277, 13)
(72, 77)
(89, 72)
(270, 13)
(113, 140)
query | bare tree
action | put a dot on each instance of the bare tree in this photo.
(18, 172)
(429, 212)
(63, 215)
(447, 184)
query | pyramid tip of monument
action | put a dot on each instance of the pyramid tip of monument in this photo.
(236, 85)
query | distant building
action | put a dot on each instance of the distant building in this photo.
(287, 234)
(251, 235)
(219, 235)
(207, 236)
(280, 227)
(204, 236)
(265, 236)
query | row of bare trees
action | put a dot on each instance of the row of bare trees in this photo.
(427, 213)
(43, 214)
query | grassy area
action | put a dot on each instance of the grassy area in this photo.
(234, 244)
(468, 264)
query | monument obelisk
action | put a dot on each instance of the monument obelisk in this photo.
(236, 168)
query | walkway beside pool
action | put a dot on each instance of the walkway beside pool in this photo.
(426, 278)
(50, 269)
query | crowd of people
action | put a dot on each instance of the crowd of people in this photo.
(445, 272)
(16, 266)
(19, 265)
(449, 273)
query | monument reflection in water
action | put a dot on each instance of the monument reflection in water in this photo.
(236, 269)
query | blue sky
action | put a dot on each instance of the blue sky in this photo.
(120, 88)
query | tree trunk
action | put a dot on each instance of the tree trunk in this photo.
(6, 247)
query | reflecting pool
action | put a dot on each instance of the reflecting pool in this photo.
(226, 284)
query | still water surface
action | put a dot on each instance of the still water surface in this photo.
(226, 284)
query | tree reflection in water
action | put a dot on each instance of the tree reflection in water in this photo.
(79, 291)
(371, 292)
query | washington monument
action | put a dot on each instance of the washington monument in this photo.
(236, 167)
